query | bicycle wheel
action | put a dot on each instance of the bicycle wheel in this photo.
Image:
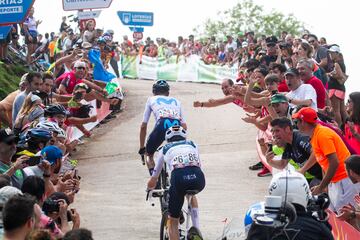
(164, 224)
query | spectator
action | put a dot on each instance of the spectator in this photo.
(279, 70)
(321, 54)
(33, 83)
(300, 93)
(230, 43)
(7, 151)
(64, 26)
(30, 111)
(330, 152)
(19, 217)
(4, 180)
(352, 125)
(271, 51)
(51, 154)
(6, 105)
(31, 32)
(337, 78)
(40, 235)
(306, 75)
(296, 149)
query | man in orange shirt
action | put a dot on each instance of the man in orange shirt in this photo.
(330, 152)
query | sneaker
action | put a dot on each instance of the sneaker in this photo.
(194, 234)
(256, 166)
(264, 172)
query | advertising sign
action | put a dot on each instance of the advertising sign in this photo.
(136, 18)
(71, 5)
(14, 11)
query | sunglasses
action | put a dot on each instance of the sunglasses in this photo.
(312, 41)
(81, 68)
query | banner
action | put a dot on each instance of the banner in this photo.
(190, 68)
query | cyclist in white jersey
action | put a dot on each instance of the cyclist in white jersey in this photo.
(182, 159)
(167, 111)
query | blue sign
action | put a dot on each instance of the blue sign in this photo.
(136, 29)
(14, 11)
(136, 18)
(4, 31)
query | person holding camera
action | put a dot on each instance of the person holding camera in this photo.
(56, 207)
(291, 218)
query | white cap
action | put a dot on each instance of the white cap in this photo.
(79, 64)
(335, 49)
(8, 192)
(86, 45)
(244, 44)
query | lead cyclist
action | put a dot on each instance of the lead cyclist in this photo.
(167, 112)
(182, 159)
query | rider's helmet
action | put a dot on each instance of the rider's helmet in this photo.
(49, 126)
(101, 40)
(38, 135)
(291, 184)
(55, 109)
(161, 86)
(110, 31)
(175, 133)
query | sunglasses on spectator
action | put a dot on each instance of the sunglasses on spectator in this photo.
(80, 68)
(311, 41)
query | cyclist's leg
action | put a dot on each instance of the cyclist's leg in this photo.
(195, 212)
(153, 142)
(176, 201)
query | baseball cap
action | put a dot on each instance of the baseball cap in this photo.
(272, 40)
(307, 114)
(334, 48)
(8, 192)
(292, 71)
(278, 98)
(6, 135)
(244, 44)
(51, 154)
(79, 64)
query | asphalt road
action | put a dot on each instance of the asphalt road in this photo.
(111, 201)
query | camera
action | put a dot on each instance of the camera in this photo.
(317, 206)
(51, 206)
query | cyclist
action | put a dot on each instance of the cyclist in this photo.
(182, 158)
(167, 111)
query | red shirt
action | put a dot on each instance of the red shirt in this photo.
(69, 80)
(283, 87)
(319, 89)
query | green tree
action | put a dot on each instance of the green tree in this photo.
(247, 16)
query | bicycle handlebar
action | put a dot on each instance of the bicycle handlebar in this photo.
(149, 194)
(143, 159)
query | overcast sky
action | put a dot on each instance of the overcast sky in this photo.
(332, 19)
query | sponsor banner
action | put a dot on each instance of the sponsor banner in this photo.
(70, 5)
(175, 68)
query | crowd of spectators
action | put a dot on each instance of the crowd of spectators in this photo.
(38, 178)
(293, 90)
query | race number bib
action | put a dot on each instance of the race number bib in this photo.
(184, 160)
(169, 113)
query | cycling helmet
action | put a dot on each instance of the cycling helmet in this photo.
(62, 134)
(55, 109)
(38, 135)
(161, 86)
(293, 185)
(101, 40)
(107, 37)
(175, 133)
(49, 126)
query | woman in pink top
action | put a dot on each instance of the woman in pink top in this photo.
(352, 125)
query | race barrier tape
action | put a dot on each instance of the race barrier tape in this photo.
(341, 230)
(191, 69)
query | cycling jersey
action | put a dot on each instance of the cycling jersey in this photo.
(163, 107)
(182, 159)
(178, 154)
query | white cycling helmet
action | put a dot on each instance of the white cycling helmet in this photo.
(62, 133)
(175, 133)
(50, 126)
(292, 184)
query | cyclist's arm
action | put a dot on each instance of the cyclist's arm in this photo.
(158, 166)
(143, 127)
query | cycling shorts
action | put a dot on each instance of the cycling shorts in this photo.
(183, 179)
(157, 136)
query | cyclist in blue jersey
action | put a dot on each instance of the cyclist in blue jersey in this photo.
(167, 112)
(182, 159)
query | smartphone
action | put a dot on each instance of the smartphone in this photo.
(32, 161)
(270, 147)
